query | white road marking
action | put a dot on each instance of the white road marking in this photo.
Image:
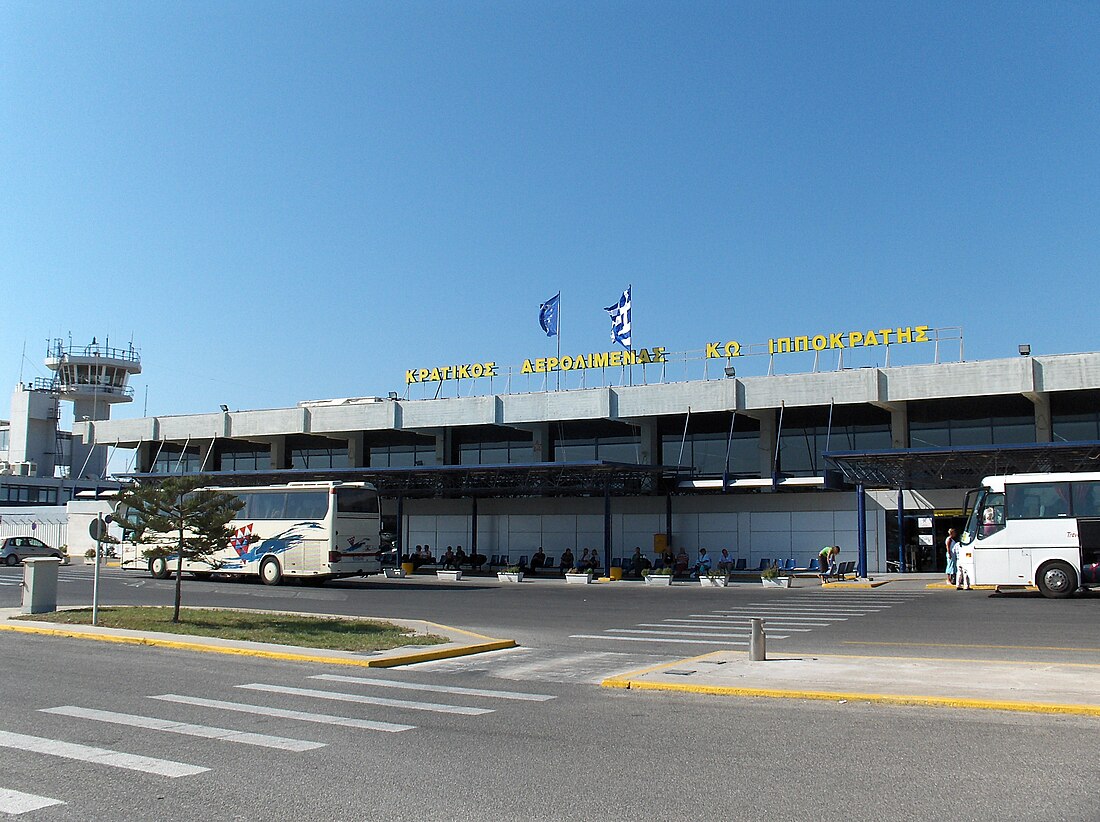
(709, 635)
(699, 623)
(98, 756)
(17, 802)
(782, 614)
(653, 639)
(734, 620)
(810, 609)
(367, 700)
(442, 689)
(303, 716)
(205, 731)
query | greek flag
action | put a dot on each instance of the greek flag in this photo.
(548, 315)
(620, 319)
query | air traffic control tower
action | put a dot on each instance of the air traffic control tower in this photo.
(93, 378)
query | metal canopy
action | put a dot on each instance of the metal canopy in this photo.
(962, 466)
(541, 479)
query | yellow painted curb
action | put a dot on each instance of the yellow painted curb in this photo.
(386, 662)
(945, 586)
(886, 699)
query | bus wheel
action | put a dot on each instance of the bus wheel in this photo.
(1056, 579)
(158, 568)
(270, 572)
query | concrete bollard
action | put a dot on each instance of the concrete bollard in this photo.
(758, 650)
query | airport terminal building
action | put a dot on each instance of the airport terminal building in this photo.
(721, 461)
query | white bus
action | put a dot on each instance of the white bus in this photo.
(1034, 529)
(307, 530)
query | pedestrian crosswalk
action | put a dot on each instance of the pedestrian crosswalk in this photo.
(583, 667)
(731, 627)
(170, 721)
(13, 803)
(12, 576)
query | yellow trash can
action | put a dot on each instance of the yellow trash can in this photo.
(408, 568)
(616, 574)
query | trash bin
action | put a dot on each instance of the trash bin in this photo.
(616, 573)
(408, 568)
(40, 585)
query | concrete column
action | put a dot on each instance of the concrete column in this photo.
(899, 425)
(279, 455)
(357, 450)
(146, 451)
(444, 448)
(540, 443)
(1044, 426)
(769, 433)
(651, 443)
(207, 460)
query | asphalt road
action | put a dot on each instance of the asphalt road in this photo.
(587, 753)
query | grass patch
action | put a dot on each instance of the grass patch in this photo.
(280, 629)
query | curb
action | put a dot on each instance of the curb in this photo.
(945, 586)
(161, 641)
(884, 699)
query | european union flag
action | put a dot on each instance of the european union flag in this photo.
(548, 315)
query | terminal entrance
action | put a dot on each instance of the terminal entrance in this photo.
(923, 537)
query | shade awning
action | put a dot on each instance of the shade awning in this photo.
(962, 466)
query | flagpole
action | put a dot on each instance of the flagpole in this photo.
(630, 291)
(558, 335)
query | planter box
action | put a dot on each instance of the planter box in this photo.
(450, 576)
(395, 573)
(778, 582)
(659, 579)
(505, 576)
(578, 579)
(714, 582)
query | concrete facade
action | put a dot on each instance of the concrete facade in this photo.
(1027, 395)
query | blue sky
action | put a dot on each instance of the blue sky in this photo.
(288, 201)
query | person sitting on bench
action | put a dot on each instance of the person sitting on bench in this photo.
(538, 560)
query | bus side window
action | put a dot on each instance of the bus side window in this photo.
(268, 506)
(245, 512)
(1038, 500)
(306, 505)
(1086, 499)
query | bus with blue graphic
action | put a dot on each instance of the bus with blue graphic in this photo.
(302, 530)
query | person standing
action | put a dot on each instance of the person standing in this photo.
(951, 545)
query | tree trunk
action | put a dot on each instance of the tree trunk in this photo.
(179, 577)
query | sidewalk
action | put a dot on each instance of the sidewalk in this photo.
(462, 643)
(895, 582)
(1034, 687)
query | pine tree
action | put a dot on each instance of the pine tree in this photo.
(179, 520)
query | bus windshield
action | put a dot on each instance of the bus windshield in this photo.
(986, 517)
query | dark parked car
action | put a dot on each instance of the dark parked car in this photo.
(14, 550)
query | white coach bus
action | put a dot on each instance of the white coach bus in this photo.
(307, 530)
(1034, 529)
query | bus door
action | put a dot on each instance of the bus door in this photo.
(1088, 532)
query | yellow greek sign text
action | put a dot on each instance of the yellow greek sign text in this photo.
(603, 359)
(849, 339)
(469, 371)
